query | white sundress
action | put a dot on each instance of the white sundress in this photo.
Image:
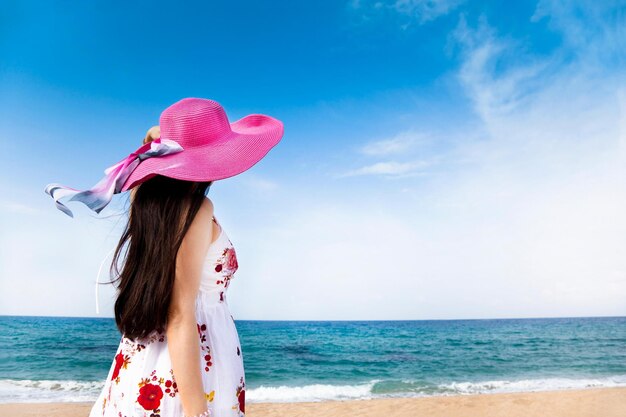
(141, 381)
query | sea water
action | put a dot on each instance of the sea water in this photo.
(67, 359)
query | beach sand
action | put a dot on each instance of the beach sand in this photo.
(601, 402)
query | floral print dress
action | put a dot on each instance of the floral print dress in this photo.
(141, 381)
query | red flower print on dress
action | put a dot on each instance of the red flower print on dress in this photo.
(201, 330)
(242, 400)
(231, 263)
(206, 349)
(241, 395)
(171, 388)
(151, 391)
(131, 347)
(227, 262)
(119, 361)
(150, 396)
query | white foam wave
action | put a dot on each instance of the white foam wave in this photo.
(313, 392)
(321, 392)
(529, 385)
(75, 391)
(12, 390)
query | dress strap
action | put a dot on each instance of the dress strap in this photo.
(98, 281)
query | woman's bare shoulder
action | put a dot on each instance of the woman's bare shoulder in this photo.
(207, 205)
(200, 230)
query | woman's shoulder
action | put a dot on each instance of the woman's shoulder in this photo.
(199, 235)
(208, 207)
(204, 215)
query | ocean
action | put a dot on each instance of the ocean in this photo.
(67, 359)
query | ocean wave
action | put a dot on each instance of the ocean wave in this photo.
(419, 388)
(13, 390)
(75, 391)
(313, 392)
(530, 385)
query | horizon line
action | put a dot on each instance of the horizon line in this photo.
(351, 320)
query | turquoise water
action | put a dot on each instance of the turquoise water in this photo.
(67, 359)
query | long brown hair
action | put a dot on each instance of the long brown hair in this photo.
(161, 212)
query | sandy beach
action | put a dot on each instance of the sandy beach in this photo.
(602, 402)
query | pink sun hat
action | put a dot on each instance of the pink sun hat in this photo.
(197, 143)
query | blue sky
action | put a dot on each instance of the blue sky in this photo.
(441, 159)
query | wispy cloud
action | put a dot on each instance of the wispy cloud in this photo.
(425, 10)
(391, 169)
(497, 92)
(399, 143)
(413, 11)
(412, 146)
(593, 29)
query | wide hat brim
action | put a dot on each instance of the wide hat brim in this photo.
(250, 139)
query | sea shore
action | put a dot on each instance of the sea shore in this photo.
(592, 402)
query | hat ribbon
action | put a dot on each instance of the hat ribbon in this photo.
(100, 195)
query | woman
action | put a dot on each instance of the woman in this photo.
(180, 353)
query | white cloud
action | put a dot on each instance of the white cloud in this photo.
(414, 11)
(593, 29)
(414, 146)
(399, 143)
(390, 168)
(426, 10)
(495, 93)
(542, 208)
